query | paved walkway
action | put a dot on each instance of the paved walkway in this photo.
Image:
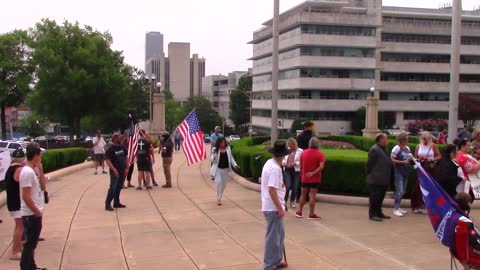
(183, 228)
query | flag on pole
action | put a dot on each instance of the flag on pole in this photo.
(133, 135)
(193, 144)
(443, 211)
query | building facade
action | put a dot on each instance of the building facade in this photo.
(153, 45)
(217, 88)
(332, 52)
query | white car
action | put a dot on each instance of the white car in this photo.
(12, 146)
(232, 138)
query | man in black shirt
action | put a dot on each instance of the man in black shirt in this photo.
(116, 157)
(143, 161)
(304, 138)
(167, 157)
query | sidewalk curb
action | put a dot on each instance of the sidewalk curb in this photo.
(54, 176)
(333, 199)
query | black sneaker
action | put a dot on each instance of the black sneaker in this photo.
(166, 186)
(376, 219)
(384, 216)
(104, 172)
(155, 183)
(119, 206)
(109, 208)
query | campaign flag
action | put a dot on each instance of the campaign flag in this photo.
(193, 144)
(133, 135)
(4, 164)
(443, 211)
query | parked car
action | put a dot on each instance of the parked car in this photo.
(43, 139)
(62, 138)
(12, 146)
(232, 138)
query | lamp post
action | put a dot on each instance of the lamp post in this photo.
(371, 121)
(275, 39)
(454, 70)
(151, 80)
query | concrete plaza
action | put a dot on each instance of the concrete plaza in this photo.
(183, 228)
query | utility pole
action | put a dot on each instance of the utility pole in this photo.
(276, 30)
(454, 70)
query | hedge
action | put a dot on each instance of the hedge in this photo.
(61, 158)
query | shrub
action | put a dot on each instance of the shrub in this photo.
(429, 124)
(60, 158)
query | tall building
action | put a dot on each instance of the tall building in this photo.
(333, 52)
(153, 45)
(179, 69)
(217, 88)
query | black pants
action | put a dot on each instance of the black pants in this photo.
(130, 172)
(116, 185)
(177, 145)
(32, 227)
(376, 195)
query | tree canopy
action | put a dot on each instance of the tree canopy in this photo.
(15, 71)
(207, 116)
(78, 74)
(240, 102)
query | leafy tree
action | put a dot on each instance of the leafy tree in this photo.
(240, 102)
(172, 110)
(207, 116)
(358, 120)
(78, 74)
(15, 71)
(33, 125)
(469, 109)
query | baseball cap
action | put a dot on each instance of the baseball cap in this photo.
(18, 153)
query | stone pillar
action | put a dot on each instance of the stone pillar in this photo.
(371, 130)
(158, 117)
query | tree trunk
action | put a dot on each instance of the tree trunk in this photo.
(4, 121)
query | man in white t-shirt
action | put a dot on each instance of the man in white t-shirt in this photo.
(32, 204)
(99, 152)
(273, 207)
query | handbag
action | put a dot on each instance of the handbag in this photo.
(429, 165)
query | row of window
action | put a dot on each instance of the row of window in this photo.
(420, 38)
(428, 22)
(402, 96)
(424, 115)
(427, 77)
(338, 30)
(318, 73)
(314, 94)
(312, 115)
(428, 58)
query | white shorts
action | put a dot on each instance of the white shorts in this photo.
(16, 214)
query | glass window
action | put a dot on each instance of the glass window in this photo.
(338, 30)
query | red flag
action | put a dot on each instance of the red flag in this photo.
(193, 144)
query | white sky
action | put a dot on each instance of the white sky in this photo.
(217, 29)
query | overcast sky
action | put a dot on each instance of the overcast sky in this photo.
(217, 29)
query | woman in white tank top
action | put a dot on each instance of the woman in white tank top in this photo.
(427, 153)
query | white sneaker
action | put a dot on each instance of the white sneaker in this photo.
(398, 213)
(424, 211)
(292, 205)
(403, 211)
(417, 211)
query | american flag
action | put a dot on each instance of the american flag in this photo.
(132, 142)
(192, 135)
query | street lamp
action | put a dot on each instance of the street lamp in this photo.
(159, 87)
(372, 91)
(151, 80)
(371, 115)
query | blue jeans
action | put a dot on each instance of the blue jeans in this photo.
(400, 187)
(274, 240)
(116, 185)
(291, 179)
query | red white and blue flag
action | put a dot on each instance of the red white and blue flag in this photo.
(193, 144)
(133, 135)
(443, 211)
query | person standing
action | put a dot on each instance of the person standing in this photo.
(442, 139)
(166, 149)
(303, 139)
(273, 207)
(292, 171)
(31, 208)
(12, 178)
(448, 173)
(342, 132)
(178, 139)
(99, 152)
(152, 159)
(464, 133)
(222, 163)
(312, 163)
(143, 161)
(427, 154)
(379, 169)
(400, 159)
(116, 156)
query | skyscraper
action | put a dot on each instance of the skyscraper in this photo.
(153, 45)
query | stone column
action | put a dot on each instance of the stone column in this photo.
(371, 130)
(158, 122)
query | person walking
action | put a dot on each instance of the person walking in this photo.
(116, 157)
(400, 154)
(31, 208)
(143, 161)
(312, 163)
(222, 163)
(273, 207)
(12, 178)
(99, 152)
(166, 150)
(215, 135)
(292, 171)
(427, 154)
(178, 139)
(379, 169)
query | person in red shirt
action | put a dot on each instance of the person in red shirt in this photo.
(312, 163)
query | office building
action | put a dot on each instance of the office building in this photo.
(333, 52)
(217, 88)
(153, 45)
